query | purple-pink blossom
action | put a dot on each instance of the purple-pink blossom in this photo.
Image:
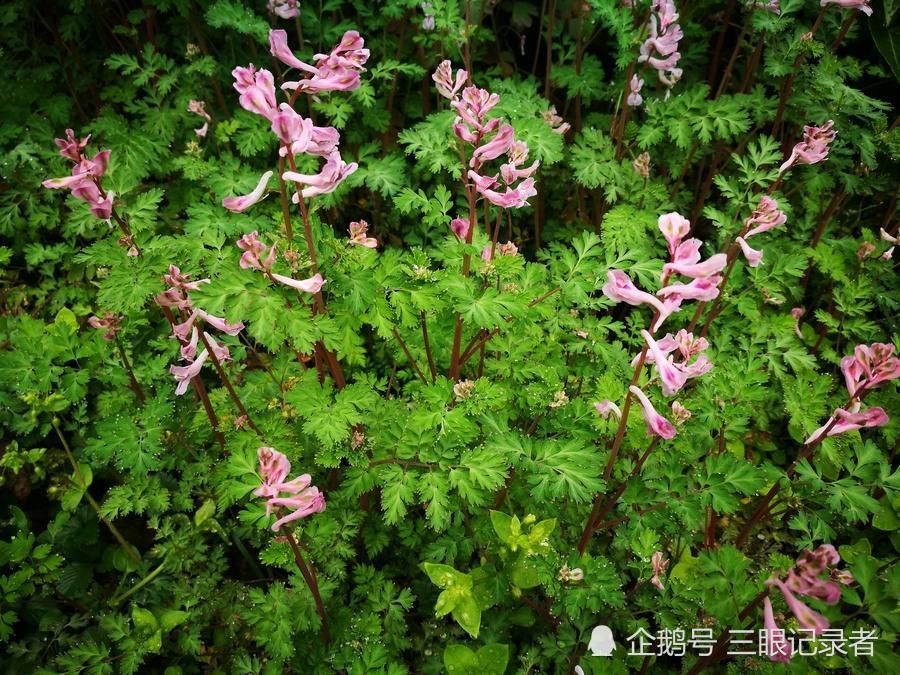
(776, 646)
(660, 564)
(359, 235)
(284, 9)
(257, 256)
(84, 181)
(240, 204)
(336, 71)
(657, 425)
(460, 228)
(674, 228)
(606, 408)
(256, 89)
(332, 174)
(753, 256)
(861, 5)
(110, 323)
(298, 495)
(634, 92)
(447, 85)
(620, 288)
(764, 217)
(660, 49)
(813, 148)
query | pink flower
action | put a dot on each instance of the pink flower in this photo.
(254, 250)
(444, 81)
(512, 198)
(551, 117)
(619, 288)
(777, 647)
(660, 564)
(176, 279)
(634, 96)
(349, 53)
(460, 228)
(657, 425)
(671, 377)
(679, 413)
(507, 249)
(182, 330)
(474, 105)
(696, 270)
(184, 374)
(499, 145)
(278, 46)
(189, 349)
(806, 617)
(358, 235)
(674, 228)
(110, 323)
(797, 313)
(878, 363)
(660, 48)
(327, 180)
(70, 147)
(861, 5)
(606, 408)
(240, 204)
(326, 79)
(312, 285)
(221, 352)
(704, 289)
(285, 9)
(102, 208)
(199, 109)
(303, 499)
(813, 148)
(256, 89)
(765, 217)
(806, 576)
(753, 256)
(850, 421)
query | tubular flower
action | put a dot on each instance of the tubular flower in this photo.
(660, 49)
(704, 289)
(252, 258)
(460, 228)
(634, 94)
(110, 323)
(254, 250)
(806, 617)
(606, 408)
(868, 367)
(777, 647)
(660, 565)
(861, 5)
(358, 236)
(679, 413)
(764, 218)
(674, 228)
(813, 148)
(184, 374)
(256, 89)
(687, 262)
(753, 256)
(302, 499)
(333, 173)
(84, 181)
(241, 204)
(551, 117)
(445, 83)
(199, 108)
(657, 425)
(336, 71)
(619, 288)
(671, 377)
(284, 9)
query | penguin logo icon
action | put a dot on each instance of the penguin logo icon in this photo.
(601, 643)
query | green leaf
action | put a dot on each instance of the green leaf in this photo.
(468, 614)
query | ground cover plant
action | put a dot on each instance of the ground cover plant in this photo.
(449, 336)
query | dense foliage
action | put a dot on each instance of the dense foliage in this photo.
(541, 316)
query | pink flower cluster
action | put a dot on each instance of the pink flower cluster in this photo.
(177, 297)
(359, 235)
(805, 578)
(284, 9)
(868, 367)
(84, 182)
(337, 71)
(199, 108)
(674, 374)
(813, 148)
(258, 257)
(302, 498)
(660, 49)
(634, 92)
(473, 126)
(660, 565)
(766, 216)
(110, 323)
(861, 5)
